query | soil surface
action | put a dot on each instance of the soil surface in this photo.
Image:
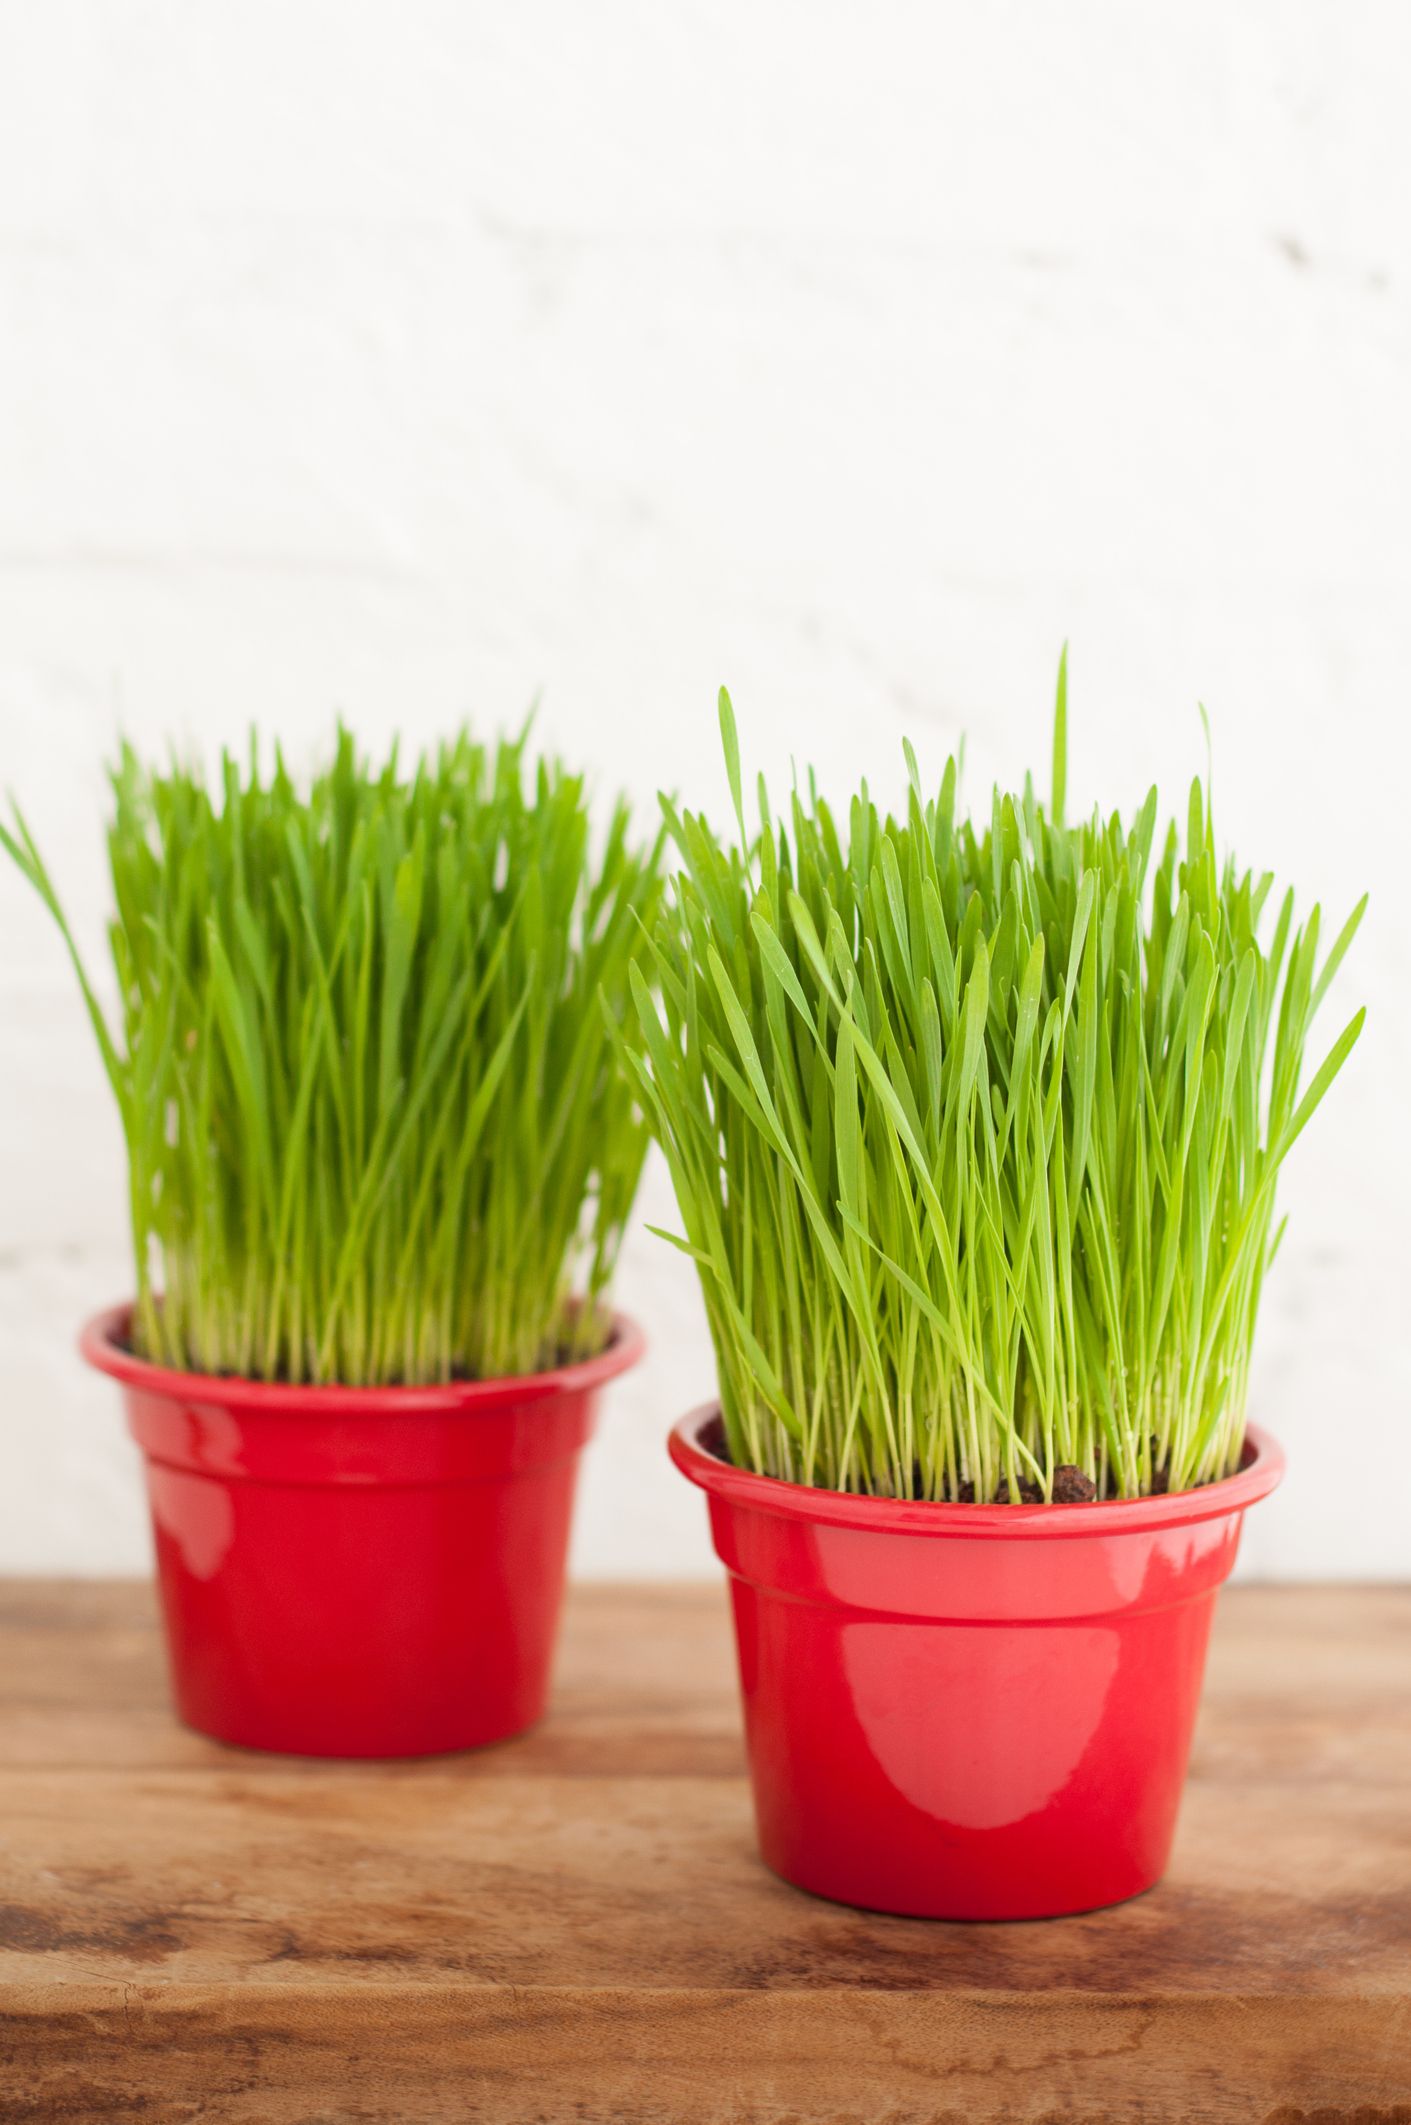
(1070, 1487)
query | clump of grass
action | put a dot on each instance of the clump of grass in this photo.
(375, 1126)
(974, 1129)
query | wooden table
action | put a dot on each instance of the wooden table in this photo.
(575, 1926)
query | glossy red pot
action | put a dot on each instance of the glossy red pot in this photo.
(969, 1711)
(359, 1571)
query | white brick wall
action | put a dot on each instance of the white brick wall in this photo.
(409, 359)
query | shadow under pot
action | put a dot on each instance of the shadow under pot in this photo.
(969, 1711)
(359, 1571)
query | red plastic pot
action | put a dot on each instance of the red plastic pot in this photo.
(359, 1571)
(969, 1711)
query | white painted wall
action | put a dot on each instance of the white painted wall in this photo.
(409, 359)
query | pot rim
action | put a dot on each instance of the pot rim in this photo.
(1261, 1468)
(101, 1343)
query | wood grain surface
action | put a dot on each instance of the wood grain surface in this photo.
(575, 1926)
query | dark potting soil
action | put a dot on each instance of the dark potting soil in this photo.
(1070, 1487)
(461, 1375)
